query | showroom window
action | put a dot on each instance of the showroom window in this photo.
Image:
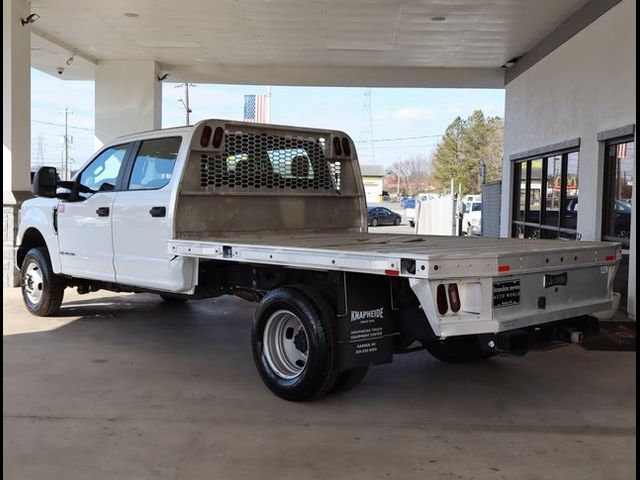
(545, 196)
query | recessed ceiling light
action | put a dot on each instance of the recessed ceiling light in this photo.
(438, 19)
(131, 15)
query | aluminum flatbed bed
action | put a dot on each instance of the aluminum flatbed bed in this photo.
(383, 253)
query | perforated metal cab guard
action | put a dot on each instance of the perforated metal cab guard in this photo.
(253, 161)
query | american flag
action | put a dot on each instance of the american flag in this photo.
(256, 108)
(621, 150)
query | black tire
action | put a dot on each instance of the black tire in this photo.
(37, 263)
(348, 379)
(317, 318)
(374, 222)
(397, 221)
(464, 349)
(172, 298)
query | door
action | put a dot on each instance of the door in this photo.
(619, 172)
(84, 224)
(387, 216)
(143, 221)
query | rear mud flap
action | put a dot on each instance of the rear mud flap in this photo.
(365, 326)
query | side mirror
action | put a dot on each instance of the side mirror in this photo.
(45, 182)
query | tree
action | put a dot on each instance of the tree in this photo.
(414, 174)
(465, 146)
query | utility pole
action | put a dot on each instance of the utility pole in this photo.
(65, 167)
(185, 101)
(188, 108)
(40, 153)
(367, 123)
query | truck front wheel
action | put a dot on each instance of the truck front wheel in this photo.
(294, 343)
(465, 349)
(42, 290)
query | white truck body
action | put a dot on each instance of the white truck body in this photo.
(240, 199)
(472, 217)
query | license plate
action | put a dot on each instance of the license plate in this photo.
(555, 279)
(506, 293)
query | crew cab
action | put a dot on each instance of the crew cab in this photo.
(277, 215)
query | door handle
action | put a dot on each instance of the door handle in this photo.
(158, 211)
(103, 211)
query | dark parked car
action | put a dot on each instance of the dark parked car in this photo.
(620, 218)
(382, 216)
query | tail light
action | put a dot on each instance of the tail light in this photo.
(441, 300)
(454, 297)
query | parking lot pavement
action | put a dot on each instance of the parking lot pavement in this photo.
(393, 229)
(126, 387)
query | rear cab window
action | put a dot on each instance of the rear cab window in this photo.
(154, 163)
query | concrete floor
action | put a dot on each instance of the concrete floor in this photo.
(126, 387)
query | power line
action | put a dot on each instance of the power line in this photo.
(409, 146)
(396, 139)
(62, 125)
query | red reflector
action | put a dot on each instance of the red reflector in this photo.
(609, 257)
(441, 300)
(504, 268)
(393, 273)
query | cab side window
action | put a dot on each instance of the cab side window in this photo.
(101, 175)
(153, 166)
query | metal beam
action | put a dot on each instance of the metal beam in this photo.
(574, 24)
(339, 76)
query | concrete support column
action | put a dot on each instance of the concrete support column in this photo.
(128, 98)
(16, 127)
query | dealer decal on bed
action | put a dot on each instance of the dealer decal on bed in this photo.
(506, 293)
(357, 315)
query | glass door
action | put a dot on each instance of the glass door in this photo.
(616, 215)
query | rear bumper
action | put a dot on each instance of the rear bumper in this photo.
(545, 336)
(490, 305)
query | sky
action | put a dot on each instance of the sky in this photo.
(395, 113)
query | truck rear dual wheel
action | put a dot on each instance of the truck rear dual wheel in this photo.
(295, 345)
(42, 290)
(464, 349)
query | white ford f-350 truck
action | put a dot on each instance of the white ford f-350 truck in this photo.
(277, 215)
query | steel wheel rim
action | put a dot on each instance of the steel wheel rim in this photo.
(33, 282)
(286, 344)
